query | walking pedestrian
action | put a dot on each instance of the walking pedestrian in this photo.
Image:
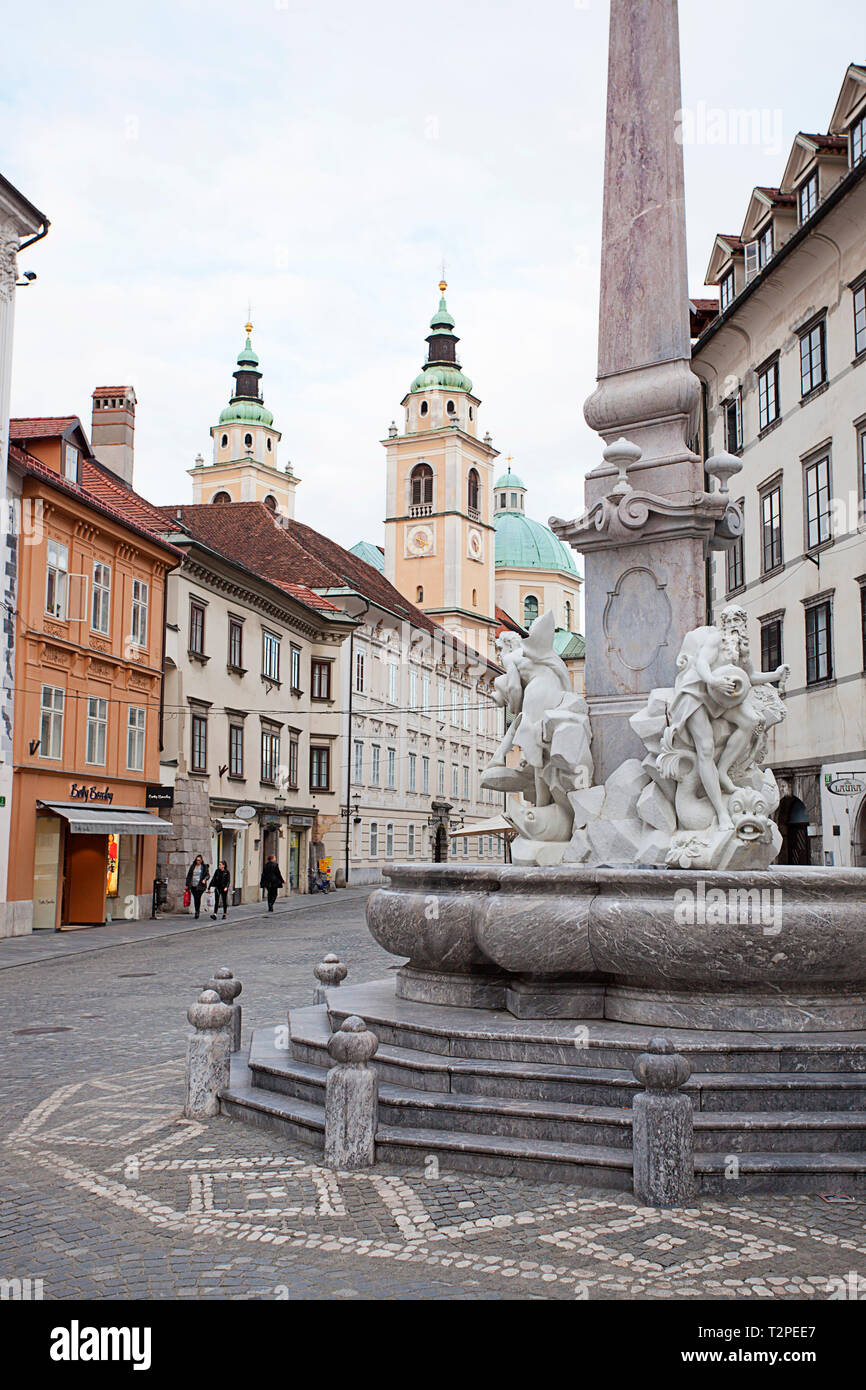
(271, 880)
(197, 877)
(220, 883)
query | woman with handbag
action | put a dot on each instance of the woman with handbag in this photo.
(220, 883)
(197, 879)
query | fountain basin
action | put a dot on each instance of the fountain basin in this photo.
(782, 949)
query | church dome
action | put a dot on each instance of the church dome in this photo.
(451, 378)
(441, 368)
(524, 544)
(246, 412)
(521, 543)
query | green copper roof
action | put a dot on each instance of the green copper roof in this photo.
(435, 374)
(246, 412)
(370, 554)
(442, 322)
(247, 357)
(525, 544)
(510, 479)
(569, 645)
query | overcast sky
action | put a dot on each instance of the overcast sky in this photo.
(319, 160)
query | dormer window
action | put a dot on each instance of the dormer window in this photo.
(726, 290)
(70, 463)
(807, 198)
(858, 141)
(765, 246)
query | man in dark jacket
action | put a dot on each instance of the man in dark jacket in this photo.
(197, 878)
(271, 880)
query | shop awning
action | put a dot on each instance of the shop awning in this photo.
(114, 820)
(231, 823)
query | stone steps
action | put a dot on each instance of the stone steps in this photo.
(539, 1159)
(483, 1091)
(729, 1132)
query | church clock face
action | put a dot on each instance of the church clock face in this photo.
(476, 544)
(419, 540)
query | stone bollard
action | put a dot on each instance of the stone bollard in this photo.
(329, 973)
(351, 1098)
(228, 989)
(208, 1055)
(663, 1142)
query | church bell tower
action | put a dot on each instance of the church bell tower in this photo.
(439, 536)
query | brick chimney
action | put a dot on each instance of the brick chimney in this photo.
(112, 429)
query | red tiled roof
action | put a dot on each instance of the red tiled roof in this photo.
(41, 427)
(826, 142)
(100, 482)
(102, 501)
(289, 552)
(507, 623)
(736, 243)
(776, 195)
(310, 597)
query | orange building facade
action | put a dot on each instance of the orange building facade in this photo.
(88, 687)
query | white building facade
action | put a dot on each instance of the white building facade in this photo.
(784, 372)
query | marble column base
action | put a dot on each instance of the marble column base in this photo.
(737, 1010)
(458, 991)
(555, 999)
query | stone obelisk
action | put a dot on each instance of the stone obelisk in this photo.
(649, 521)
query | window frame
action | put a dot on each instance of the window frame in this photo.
(814, 674)
(236, 750)
(60, 572)
(271, 644)
(772, 552)
(726, 290)
(768, 395)
(97, 720)
(804, 195)
(320, 756)
(101, 597)
(139, 612)
(136, 733)
(771, 655)
(858, 292)
(54, 713)
(808, 341)
(198, 747)
(269, 747)
(197, 621)
(811, 466)
(320, 678)
(735, 561)
(236, 648)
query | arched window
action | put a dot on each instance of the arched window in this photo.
(471, 416)
(248, 441)
(269, 446)
(420, 597)
(474, 598)
(473, 489)
(422, 484)
(221, 498)
(530, 609)
(270, 501)
(451, 408)
(568, 615)
(424, 407)
(224, 442)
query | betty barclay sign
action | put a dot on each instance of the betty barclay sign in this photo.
(80, 792)
(845, 785)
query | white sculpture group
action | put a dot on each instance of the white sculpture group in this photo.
(700, 798)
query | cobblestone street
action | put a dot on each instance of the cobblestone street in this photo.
(107, 1192)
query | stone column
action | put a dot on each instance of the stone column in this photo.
(351, 1098)
(330, 972)
(208, 1055)
(228, 988)
(662, 1129)
(644, 564)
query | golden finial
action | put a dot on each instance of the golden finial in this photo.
(443, 283)
(249, 328)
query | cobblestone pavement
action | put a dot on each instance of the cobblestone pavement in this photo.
(107, 1192)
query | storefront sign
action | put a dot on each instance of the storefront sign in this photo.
(246, 812)
(157, 797)
(80, 792)
(845, 786)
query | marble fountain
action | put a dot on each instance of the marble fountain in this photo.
(643, 897)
